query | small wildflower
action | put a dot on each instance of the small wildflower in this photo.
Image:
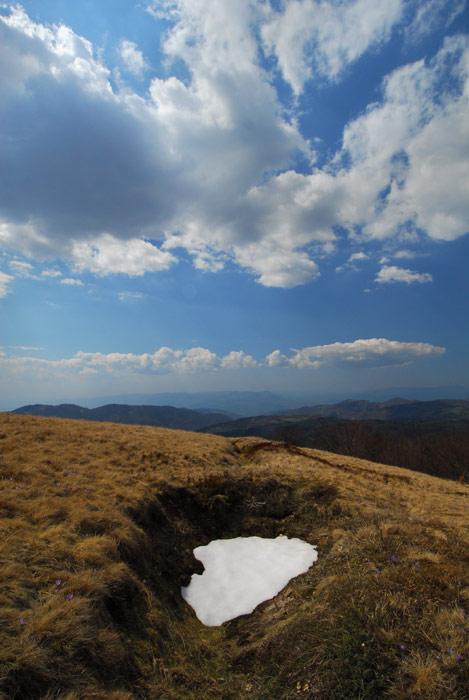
(416, 564)
(394, 559)
(460, 657)
(438, 658)
(58, 581)
(69, 596)
(464, 614)
(402, 647)
(450, 650)
(377, 571)
(22, 620)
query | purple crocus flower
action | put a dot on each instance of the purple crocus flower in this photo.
(394, 559)
(22, 620)
(460, 657)
(58, 581)
(402, 647)
(69, 596)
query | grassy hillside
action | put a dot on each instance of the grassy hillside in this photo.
(98, 523)
(439, 448)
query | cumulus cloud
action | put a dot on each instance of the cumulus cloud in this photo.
(237, 359)
(165, 360)
(108, 255)
(132, 57)
(413, 146)
(372, 351)
(117, 183)
(392, 273)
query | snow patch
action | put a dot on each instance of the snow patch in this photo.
(243, 572)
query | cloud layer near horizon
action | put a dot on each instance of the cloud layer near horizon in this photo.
(373, 352)
(117, 182)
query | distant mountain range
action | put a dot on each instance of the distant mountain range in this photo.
(390, 415)
(234, 403)
(161, 416)
(394, 410)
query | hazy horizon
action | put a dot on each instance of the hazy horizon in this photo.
(245, 403)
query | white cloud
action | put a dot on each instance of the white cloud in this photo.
(51, 273)
(391, 273)
(208, 164)
(433, 13)
(4, 280)
(71, 281)
(414, 144)
(404, 254)
(237, 359)
(319, 39)
(372, 351)
(21, 268)
(130, 296)
(24, 347)
(108, 255)
(350, 263)
(164, 360)
(132, 57)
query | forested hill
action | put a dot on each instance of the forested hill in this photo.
(394, 410)
(440, 448)
(161, 416)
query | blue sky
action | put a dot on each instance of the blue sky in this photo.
(201, 195)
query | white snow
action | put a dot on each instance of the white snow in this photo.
(243, 572)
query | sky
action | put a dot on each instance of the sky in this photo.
(201, 195)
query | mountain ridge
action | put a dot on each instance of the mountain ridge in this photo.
(158, 416)
(396, 409)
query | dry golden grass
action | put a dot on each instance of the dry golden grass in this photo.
(97, 526)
